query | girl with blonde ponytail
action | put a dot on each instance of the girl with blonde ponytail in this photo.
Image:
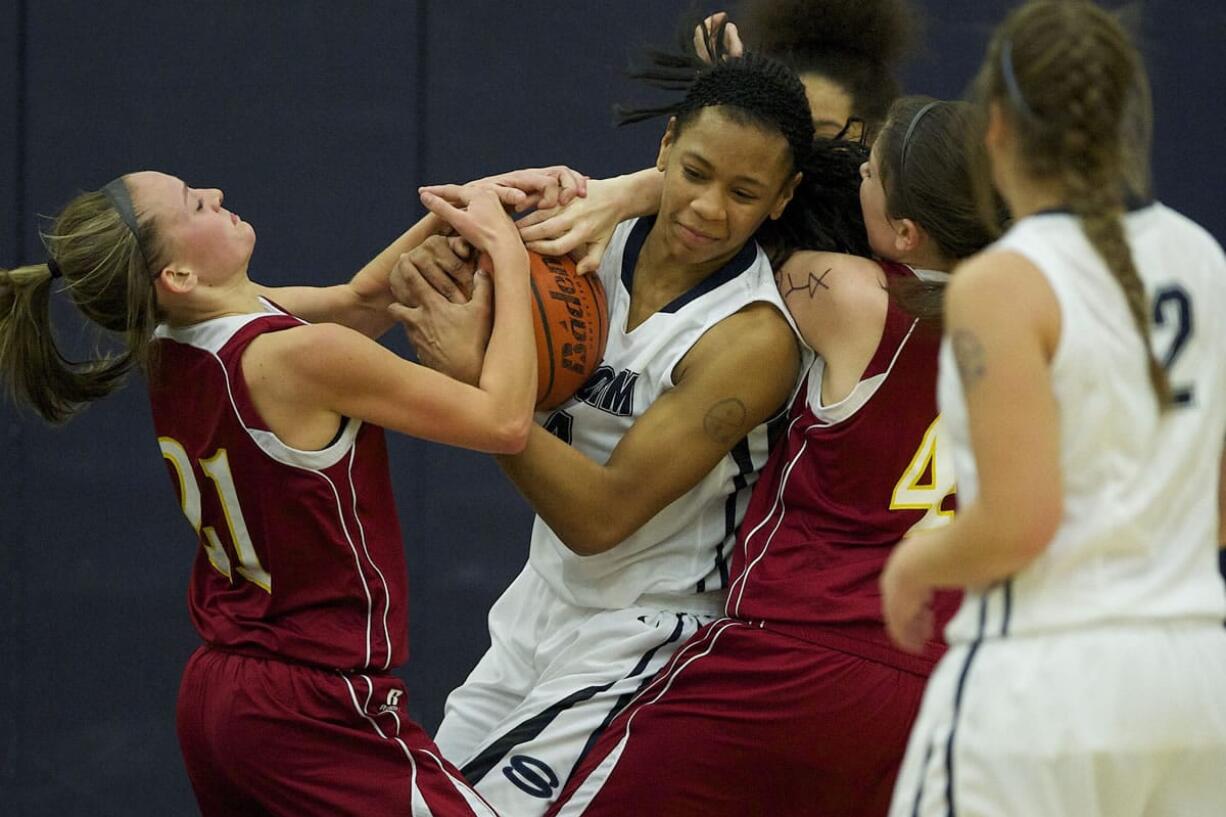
(268, 406)
(1083, 386)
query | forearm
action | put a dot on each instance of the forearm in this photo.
(975, 550)
(361, 304)
(640, 192)
(573, 494)
(508, 374)
(369, 287)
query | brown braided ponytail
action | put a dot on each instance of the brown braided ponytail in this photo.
(1074, 91)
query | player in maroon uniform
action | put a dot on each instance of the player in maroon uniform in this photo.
(796, 702)
(270, 427)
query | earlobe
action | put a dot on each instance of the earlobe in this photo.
(909, 238)
(176, 280)
(785, 198)
(666, 143)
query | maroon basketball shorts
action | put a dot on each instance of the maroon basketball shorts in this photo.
(264, 737)
(746, 721)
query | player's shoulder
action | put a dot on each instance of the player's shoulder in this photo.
(306, 346)
(755, 342)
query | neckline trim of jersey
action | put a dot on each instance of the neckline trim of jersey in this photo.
(634, 245)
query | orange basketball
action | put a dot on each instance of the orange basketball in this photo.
(572, 325)
(571, 317)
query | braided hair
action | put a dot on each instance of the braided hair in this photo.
(1074, 90)
(824, 213)
(751, 89)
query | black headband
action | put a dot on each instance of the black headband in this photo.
(56, 272)
(1014, 90)
(906, 139)
(116, 193)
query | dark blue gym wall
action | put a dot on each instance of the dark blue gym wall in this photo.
(319, 119)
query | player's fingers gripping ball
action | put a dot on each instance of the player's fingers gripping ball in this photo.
(571, 317)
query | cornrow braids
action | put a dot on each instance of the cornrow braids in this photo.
(751, 89)
(1074, 89)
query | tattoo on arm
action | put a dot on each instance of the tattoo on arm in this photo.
(811, 286)
(724, 421)
(972, 362)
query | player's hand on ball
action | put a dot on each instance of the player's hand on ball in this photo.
(477, 214)
(581, 229)
(521, 190)
(906, 603)
(448, 336)
(446, 264)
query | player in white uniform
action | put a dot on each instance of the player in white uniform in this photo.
(1083, 386)
(640, 480)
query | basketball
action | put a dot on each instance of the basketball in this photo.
(571, 317)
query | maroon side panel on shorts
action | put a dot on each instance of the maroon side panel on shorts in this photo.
(745, 721)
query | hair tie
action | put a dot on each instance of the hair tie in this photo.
(56, 272)
(906, 139)
(1011, 86)
(116, 193)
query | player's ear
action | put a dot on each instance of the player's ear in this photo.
(176, 280)
(785, 196)
(666, 144)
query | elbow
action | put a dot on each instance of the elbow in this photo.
(593, 536)
(511, 436)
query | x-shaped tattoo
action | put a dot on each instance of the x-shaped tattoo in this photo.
(811, 286)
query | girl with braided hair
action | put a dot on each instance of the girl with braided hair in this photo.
(1083, 384)
(639, 481)
(796, 702)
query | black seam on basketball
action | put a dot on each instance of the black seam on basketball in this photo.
(601, 321)
(540, 309)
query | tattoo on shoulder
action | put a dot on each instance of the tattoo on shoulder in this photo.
(968, 352)
(724, 420)
(811, 285)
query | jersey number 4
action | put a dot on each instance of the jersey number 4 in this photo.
(217, 469)
(927, 482)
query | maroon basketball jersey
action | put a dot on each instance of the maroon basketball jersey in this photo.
(300, 552)
(843, 485)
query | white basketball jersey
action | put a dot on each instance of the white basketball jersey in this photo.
(1138, 538)
(685, 548)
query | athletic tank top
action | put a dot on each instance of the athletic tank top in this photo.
(684, 549)
(300, 553)
(1138, 538)
(841, 488)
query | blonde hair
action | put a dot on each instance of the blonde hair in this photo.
(1074, 90)
(105, 273)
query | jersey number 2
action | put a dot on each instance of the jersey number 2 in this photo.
(217, 469)
(1173, 304)
(927, 482)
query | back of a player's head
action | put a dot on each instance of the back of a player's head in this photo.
(925, 153)
(1074, 91)
(750, 90)
(1066, 93)
(105, 271)
(855, 44)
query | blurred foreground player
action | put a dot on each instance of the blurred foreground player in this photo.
(1083, 383)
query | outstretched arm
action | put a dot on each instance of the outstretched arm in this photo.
(361, 303)
(310, 376)
(673, 445)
